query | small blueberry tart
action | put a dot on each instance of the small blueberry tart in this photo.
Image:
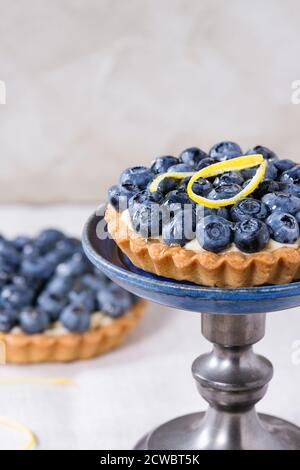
(223, 218)
(55, 306)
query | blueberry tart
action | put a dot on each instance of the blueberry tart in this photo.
(223, 218)
(54, 306)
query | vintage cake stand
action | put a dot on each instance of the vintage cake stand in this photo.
(231, 378)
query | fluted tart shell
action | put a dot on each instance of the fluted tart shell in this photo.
(20, 348)
(228, 269)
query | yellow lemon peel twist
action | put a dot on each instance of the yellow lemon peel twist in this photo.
(36, 380)
(31, 439)
(172, 174)
(235, 164)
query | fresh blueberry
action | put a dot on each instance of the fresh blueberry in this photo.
(292, 188)
(224, 191)
(283, 227)
(175, 201)
(30, 250)
(271, 172)
(192, 156)
(157, 196)
(164, 187)
(32, 285)
(251, 235)
(291, 176)
(7, 271)
(119, 195)
(38, 267)
(67, 247)
(282, 202)
(47, 239)
(220, 211)
(33, 320)
(161, 164)
(53, 258)
(93, 283)
(297, 217)
(292, 179)
(75, 242)
(145, 214)
(245, 183)
(52, 304)
(143, 197)
(214, 233)
(178, 196)
(59, 286)
(225, 150)
(114, 301)
(16, 296)
(181, 228)
(85, 298)
(7, 266)
(21, 241)
(180, 168)
(229, 177)
(247, 208)
(9, 253)
(75, 318)
(8, 319)
(201, 187)
(21, 281)
(248, 173)
(284, 165)
(265, 187)
(139, 176)
(6, 246)
(206, 162)
(147, 220)
(77, 265)
(264, 151)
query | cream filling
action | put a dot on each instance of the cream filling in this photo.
(98, 319)
(195, 246)
(272, 246)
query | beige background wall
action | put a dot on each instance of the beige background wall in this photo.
(97, 85)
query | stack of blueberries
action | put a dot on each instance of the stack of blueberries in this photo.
(48, 279)
(272, 211)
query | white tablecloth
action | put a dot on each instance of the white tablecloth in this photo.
(118, 397)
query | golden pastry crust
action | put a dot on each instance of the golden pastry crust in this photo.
(20, 348)
(231, 269)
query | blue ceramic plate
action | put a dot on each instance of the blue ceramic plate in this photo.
(106, 256)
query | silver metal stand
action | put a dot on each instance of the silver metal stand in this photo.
(232, 379)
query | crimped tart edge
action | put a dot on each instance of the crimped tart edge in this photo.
(230, 269)
(21, 348)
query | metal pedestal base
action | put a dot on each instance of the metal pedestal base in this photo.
(232, 379)
(193, 432)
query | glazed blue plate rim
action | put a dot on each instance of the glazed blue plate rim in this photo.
(159, 284)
